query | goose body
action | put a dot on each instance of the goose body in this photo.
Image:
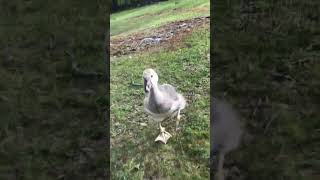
(160, 107)
(161, 101)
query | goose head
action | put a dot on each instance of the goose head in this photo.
(150, 78)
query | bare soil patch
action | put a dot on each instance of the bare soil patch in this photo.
(166, 35)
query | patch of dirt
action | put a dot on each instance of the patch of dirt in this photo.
(168, 34)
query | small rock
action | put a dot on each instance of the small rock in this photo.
(183, 25)
(158, 40)
(143, 124)
(147, 40)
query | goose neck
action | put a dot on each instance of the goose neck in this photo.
(155, 90)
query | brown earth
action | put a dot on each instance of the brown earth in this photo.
(164, 36)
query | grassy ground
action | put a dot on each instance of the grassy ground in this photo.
(51, 120)
(266, 61)
(134, 154)
(133, 150)
(125, 22)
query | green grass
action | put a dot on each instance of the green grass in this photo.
(126, 22)
(277, 37)
(49, 126)
(134, 154)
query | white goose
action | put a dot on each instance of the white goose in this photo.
(161, 102)
(226, 129)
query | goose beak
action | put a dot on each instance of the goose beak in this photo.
(147, 84)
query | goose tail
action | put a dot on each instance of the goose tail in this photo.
(182, 101)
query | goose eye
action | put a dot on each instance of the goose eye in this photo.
(151, 75)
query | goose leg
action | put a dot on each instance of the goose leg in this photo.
(162, 130)
(164, 135)
(178, 120)
(220, 174)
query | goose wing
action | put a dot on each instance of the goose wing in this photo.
(166, 103)
(169, 91)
